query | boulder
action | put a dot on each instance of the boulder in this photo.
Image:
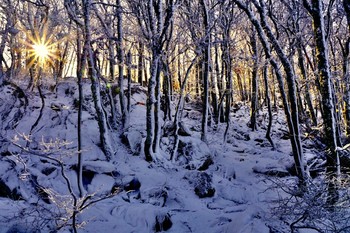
(241, 135)
(99, 167)
(345, 162)
(48, 170)
(209, 161)
(271, 171)
(133, 139)
(134, 184)
(155, 196)
(204, 187)
(66, 88)
(169, 129)
(22, 228)
(4, 149)
(88, 176)
(202, 183)
(194, 154)
(6, 192)
(93, 168)
(184, 130)
(163, 222)
(132, 190)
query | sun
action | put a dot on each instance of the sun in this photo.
(41, 51)
(41, 48)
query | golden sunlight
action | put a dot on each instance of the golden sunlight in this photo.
(41, 51)
(41, 48)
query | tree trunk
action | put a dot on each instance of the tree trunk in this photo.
(95, 87)
(150, 118)
(214, 97)
(291, 112)
(268, 101)
(178, 113)
(346, 71)
(120, 51)
(322, 59)
(219, 79)
(166, 92)
(206, 70)
(157, 16)
(81, 65)
(112, 78)
(140, 64)
(157, 126)
(128, 74)
(308, 100)
(198, 78)
(288, 68)
(240, 85)
(254, 96)
(227, 69)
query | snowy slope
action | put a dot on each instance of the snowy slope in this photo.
(152, 196)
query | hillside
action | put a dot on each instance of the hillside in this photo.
(237, 186)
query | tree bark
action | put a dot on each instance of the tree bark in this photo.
(105, 139)
(268, 101)
(150, 118)
(140, 64)
(206, 70)
(322, 59)
(306, 80)
(128, 74)
(254, 96)
(120, 51)
(346, 71)
(81, 65)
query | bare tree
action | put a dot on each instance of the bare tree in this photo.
(346, 68)
(95, 84)
(226, 22)
(206, 64)
(120, 55)
(75, 12)
(154, 19)
(322, 58)
(291, 110)
(8, 11)
(254, 98)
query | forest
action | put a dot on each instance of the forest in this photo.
(175, 115)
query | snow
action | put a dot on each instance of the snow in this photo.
(243, 198)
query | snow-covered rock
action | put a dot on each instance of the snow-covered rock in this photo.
(169, 129)
(194, 154)
(155, 196)
(99, 166)
(133, 140)
(6, 192)
(163, 222)
(202, 183)
(271, 171)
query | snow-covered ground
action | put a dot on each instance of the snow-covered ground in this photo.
(230, 195)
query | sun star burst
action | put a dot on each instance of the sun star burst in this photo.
(41, 49)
